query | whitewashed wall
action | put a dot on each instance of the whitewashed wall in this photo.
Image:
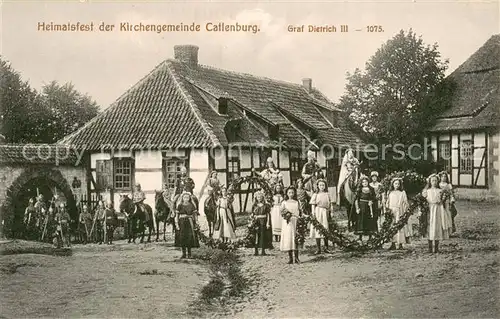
(494, 164)
(148, 173)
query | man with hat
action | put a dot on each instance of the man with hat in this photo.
(62, 220)
(184, 183)
(310, 172)
(139, 197)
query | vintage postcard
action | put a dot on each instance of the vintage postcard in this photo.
(249, 159)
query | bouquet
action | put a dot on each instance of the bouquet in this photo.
(445, 195)
(286, 215)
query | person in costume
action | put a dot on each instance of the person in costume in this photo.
(261, 212)
(397, 203)
(184, 183)
(186, 220)
(225, 222)
(449, 205)
(138, 197)
(366, 208)
(271, 173)
(310, 172)
(41, 212)
(111, 222)
(214, 183)
(276, 212)
(85, 221)
(30, 220)
(377, 187)
(438, 224)
(290, 210)
(321, 206)
(62, 220)
(303, 197)
(99, 216)
(349, 166)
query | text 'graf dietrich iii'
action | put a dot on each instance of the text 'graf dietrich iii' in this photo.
(331, 28)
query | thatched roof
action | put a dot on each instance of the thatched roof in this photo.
(476, 101)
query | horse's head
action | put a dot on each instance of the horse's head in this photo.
(125, 203)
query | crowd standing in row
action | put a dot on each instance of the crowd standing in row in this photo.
(276, 220)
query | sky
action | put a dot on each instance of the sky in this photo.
(105, 64)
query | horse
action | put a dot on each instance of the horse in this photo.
(136, 217)
(210, 208)
(163, 213)
(348, 195)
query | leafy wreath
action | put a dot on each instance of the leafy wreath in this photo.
(249, 238)
(413, 184)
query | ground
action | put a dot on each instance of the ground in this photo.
(145, 281)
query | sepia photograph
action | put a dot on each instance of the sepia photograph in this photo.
(249, 159)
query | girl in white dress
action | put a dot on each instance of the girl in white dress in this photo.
(276, 212)
(397, 203)
(225, 223)
(437, 227)
(290, 210)
(321, 205)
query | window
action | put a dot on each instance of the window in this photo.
(296, 165)
(233, 168)
(466, 157)
(104, 175)
(273, 132)
(223, 106)
(171, 169)
(445, 155)
(123, 173)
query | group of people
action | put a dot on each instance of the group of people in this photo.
(51, 222)
(275, 218)
(47, 222)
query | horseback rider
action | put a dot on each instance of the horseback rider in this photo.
(310, 172)
(184, 183)
(349, 165)
(214, 183)
(139, 197)
(272, 174)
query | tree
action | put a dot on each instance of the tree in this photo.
(68, 108)
(389, 98)
(28, 116)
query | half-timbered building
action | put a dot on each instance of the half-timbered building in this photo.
(465, 139)
(186, 114)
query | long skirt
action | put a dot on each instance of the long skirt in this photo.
(400, 237)
(321, 214)
(186, 237)
(438, 227)
(288, 231)
(366, 224)
(225, 229)
(276, 219)
(263, 235)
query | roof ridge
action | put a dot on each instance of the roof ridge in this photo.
(189, 99)
(112, 105)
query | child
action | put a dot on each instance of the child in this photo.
(302, 197)
(276, 212)
(261, 211)
(366, 207)
(437, 228)
(225, 221)
(290, 211)
(99, 222)
(379, 213)
(397, 203)
(320, 206)
(30, 219)
(449, 205)
(186, 218)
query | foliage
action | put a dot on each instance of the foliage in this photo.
(413, 183)
(387, 98)
(28, 116)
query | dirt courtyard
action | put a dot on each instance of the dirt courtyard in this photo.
(148, 280)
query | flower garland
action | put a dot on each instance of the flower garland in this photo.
(413, 184)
